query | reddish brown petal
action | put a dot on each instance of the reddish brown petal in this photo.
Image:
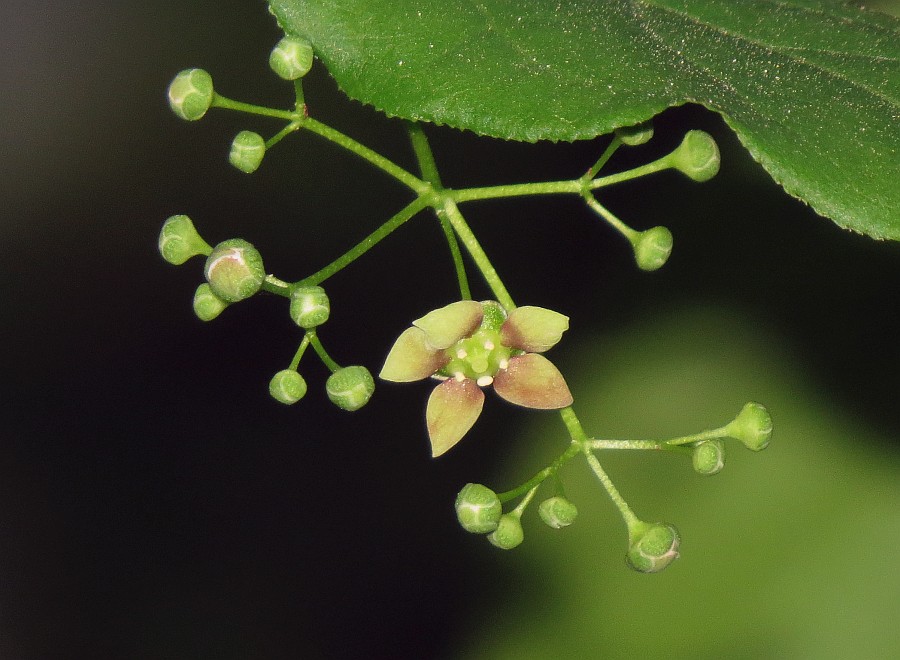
(533, 329)
(452, 409)
(532, 381)
(411, 358)
(445, 326)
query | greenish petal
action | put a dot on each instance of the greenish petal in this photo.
(452, 409)
(532, 381)
(445, 326)
(411, 358)
(534, 329)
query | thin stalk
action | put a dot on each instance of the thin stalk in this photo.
(602, 211)
(300, 351)
(612, 491)
(366, 244)
(320, 351)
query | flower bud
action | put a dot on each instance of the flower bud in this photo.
(287, 386)
(697, 156)
(478, 509)
(350, 388)
(179, 240)
(234, 270)
(191, 94)
(752, 426)
(291, 58)
(708, 457)
(653, 547)
(207, 305)
(652, 248)
(509, 532)
(635, 135)
(558, 512)
(247, 151)
(310, 306)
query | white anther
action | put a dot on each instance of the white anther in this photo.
(459, 376)
(504, 363)
(461, 354)
(484, 381)
(489, 345)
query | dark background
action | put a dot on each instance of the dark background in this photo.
(154, 502)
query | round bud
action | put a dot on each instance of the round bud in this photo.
(291, 58)
(752, 426)
(653, 547)
(478, 509)
(350, 388)
(179, 240)
(247, 151)
(558, 512)
(234, 270)
(207, 305)
(697, 156)
(287, 386)
(310, 306)
(635, 135)
(191, 94)
(709, 457)
(652, 248)
(509, 532)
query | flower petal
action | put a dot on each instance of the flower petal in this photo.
(411, 358)
(533, 329)
(445, 326)
(532, 381)
(452, 409)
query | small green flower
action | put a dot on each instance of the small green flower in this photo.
(708, 457)
(697, 156)
(310, 306)
(287, 386)
(350, 388)
(558, 512)
(191, 94)
(478, 509)
(179, 240)
(752, 426)
(247, 151)
(652, 547)
(652, 248)
(509, 533)
(207, 305)
(470, 345)
(635, 135)
(234, 270)
(291, 58)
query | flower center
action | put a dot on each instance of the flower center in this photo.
(478, 357)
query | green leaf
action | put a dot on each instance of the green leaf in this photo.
(812, 88)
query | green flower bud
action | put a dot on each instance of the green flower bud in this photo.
(291, 58)
(310, 306)
(179, 240)
(653, 547)
(478, 509)
(752, 426)
(247, 151)
(709, 457)
(635, 135)
(509, 532)
(652, 248)
(697, 156)
(350, 388)
(234, 270)
(191, 94)
(558, 512)
(207, 305)
(287, 386)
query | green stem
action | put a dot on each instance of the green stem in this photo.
(225, 103)
(429, 170)
(520, 508)
(274, 285)
(366, 244)
(612, 491)
(284, 132)
(645, 445)
(300, 351)
(607, 154)
(461, 227)
(320, 351)
(572, 450)
(300, 102)
(698, 437)
(409, 180)
(601, 210)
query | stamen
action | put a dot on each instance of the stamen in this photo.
(504, 363)
(461, 354)
(484, 381)
(459, 376)
(489, 345)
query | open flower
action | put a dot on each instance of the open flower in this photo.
(470, 345)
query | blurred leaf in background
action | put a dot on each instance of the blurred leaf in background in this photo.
(785, 554)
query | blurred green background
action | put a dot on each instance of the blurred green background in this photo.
(155, 503)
